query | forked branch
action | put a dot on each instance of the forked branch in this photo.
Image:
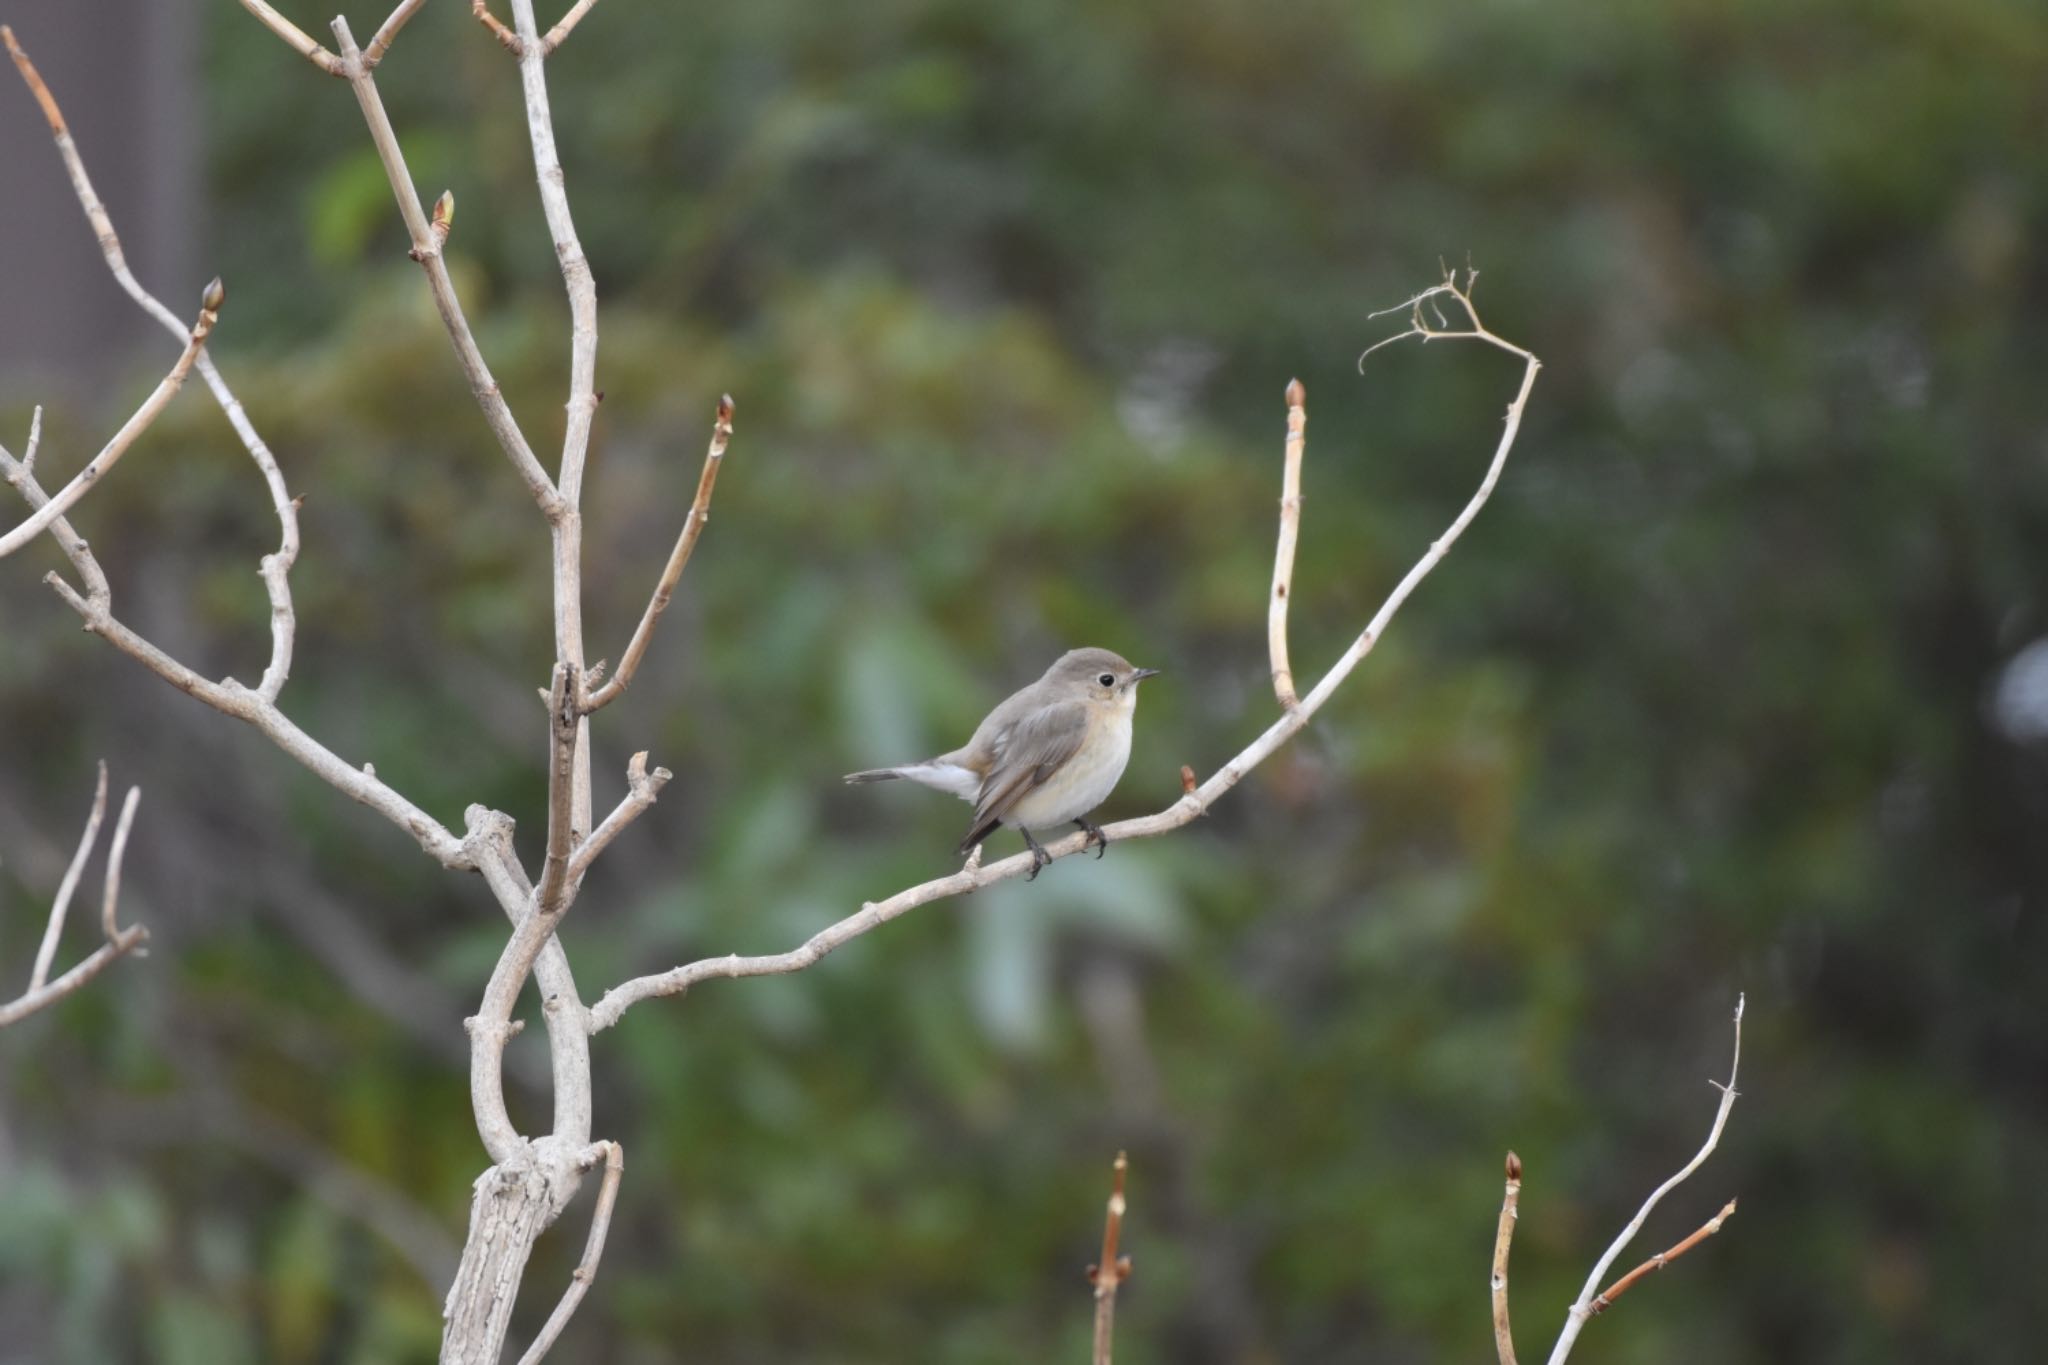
(42, 991)
(1195, 800)
(1589, 1303)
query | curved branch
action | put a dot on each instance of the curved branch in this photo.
(296, 36)
(1283, 548)
(614, 1158)
(1193, 803)
(1504, 1235)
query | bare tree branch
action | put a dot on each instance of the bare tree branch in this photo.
(1193, 802)
(562, 29)
(275, 567)
(686, 541)
(1109, 1273)
(380, 42)
(1503, 1338)
(1663, 1258)
(1589, 1300)
(426, 249)
(483, 14)
(1283, 549)
(41, 990)
(614, 1158)
(66, 497)
(642, 788)
(296, 36)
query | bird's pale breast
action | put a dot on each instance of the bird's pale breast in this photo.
(1084, 781)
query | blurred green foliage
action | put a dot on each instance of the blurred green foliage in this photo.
(1007, 296)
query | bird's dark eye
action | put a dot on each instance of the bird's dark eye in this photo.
(1107, 680)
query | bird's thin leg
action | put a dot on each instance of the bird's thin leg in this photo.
(1039, 857)
(1094, 831)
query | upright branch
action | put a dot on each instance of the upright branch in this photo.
(1283, 548)
(1109, 1273)
(42, 991)
(1591, 1299)
(426, 249)
(686, 541)
(1195, 799)
(82, 483)
(1504, 1235)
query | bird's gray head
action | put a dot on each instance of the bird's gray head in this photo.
(1099, 675)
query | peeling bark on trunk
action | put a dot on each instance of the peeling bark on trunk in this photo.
(515, 1203)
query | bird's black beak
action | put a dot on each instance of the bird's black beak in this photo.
(1139, 675)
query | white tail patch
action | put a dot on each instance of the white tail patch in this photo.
(964, 783)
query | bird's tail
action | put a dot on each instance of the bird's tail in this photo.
(874, 775)
(940, 774)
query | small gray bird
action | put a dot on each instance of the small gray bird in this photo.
(1047, 756)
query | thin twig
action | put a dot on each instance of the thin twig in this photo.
(1585, 1306)
(642, 788)
(380, 42)
(66, 497)
(1663, 1258)
(686, 541)
(562, 28)
(1192, 804)
(296, 36)
(483, 14)
(614, 1158)
(110, 893)
(1112, 1270)
(54, 930)
(275, 567)
(426, 249)
(41, 990)
(35, 440)
(1503, 1338)
(1283, 549)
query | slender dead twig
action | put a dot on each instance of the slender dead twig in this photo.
(1503, 1338)
(483, 14)
(380, 42)
(642, 788)
(1283, 548)
(275, 567)
(82, 483)
(42, 991)
(686, 541)
(1587, 1304)
(1621, 1286)
(562, 722)
(297, 37)
(1109, 1273)
(614, 1158)
(563, 27)
(1195, 801)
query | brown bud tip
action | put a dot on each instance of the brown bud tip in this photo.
(1187, 780)
(214, 295)
(1296, 394)
(444, 210)
(599, 395)
(1514, 1167)
(725, 407)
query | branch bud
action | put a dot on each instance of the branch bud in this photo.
(1297, 396)
(725, 408)
(444, 214)
(1514, 1168)
(214, 295)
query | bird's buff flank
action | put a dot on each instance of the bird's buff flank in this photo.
(1047, 756)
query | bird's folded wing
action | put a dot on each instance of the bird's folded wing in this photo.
(1027, 755)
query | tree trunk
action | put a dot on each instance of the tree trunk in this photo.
(515, 1203)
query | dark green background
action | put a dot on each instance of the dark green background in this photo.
(1007, 295)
